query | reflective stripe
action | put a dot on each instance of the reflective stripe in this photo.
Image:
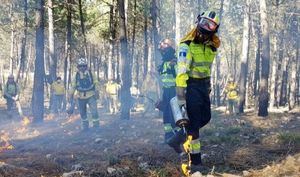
(177, 128)
(197, 74)
(95, 119)
(168, 128)
(195, 146)
(201, 64)
(168, 79)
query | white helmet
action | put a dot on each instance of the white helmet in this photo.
(82, 61)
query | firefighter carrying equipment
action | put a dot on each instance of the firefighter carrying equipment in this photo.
(84, 84)
(195, 59)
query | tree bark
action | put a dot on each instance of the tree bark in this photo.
(257, 62)
(110, 71)
(294, 63)
(155, 37)
(263, 93)
(218, 63)
(82, 27)
(125, 65)
(39, 71)
(24, 41)
(278, 77)
(52, 54)
(133, 58)
(12, 40)
(67, 64)
(146, 52)
(177, 20)
(244, 59)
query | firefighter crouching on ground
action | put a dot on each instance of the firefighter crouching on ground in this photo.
(58, 90)
(232, 96)
(112, 88)
(167, 74)
(11, 92)
(86, 86)
(196, 54)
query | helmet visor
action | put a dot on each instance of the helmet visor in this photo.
(207, 24)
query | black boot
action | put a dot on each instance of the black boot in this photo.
(176, 140)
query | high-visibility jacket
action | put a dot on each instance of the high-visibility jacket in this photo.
(194, 60)
(58, 88)
(232, 93)
(112, 88)
(85, 84)
(11, 89)
(168, 74)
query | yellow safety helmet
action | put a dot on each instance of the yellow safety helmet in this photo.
(208, 22)
(82, 62)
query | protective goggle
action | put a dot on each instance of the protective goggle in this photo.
(207, 24)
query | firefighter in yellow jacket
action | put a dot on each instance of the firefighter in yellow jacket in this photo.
(58, 90)
(196, 54)
(167, 72)
(11, 92)
(112, 89)
(231, 91)
(85, 84)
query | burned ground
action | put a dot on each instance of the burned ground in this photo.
(244, 145)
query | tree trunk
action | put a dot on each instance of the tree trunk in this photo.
(125, 65)
(67, 64)
(177, 20)
(82, 27)
(154, 11)
(24, 40)
(12, 39)
(52, 54)
(284, 84)
(294, 63)
(257, 63)
(110, 71)
(39, 71)
(218, 63)
(278, 77)
(133, 58)
(146, 46)
(263, 93)
(244, 59)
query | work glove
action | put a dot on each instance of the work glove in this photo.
(180, 92)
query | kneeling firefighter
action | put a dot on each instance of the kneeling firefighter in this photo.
(167, 74)
(196, 54)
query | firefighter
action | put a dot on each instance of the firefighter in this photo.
(167, 74)
(112, 88)
(231, 91)
(58, 90)
(86, 86)
(196, 54)
(11, 92)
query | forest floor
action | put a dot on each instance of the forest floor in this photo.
(241, 145)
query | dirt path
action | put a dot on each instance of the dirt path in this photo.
(230, 144)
